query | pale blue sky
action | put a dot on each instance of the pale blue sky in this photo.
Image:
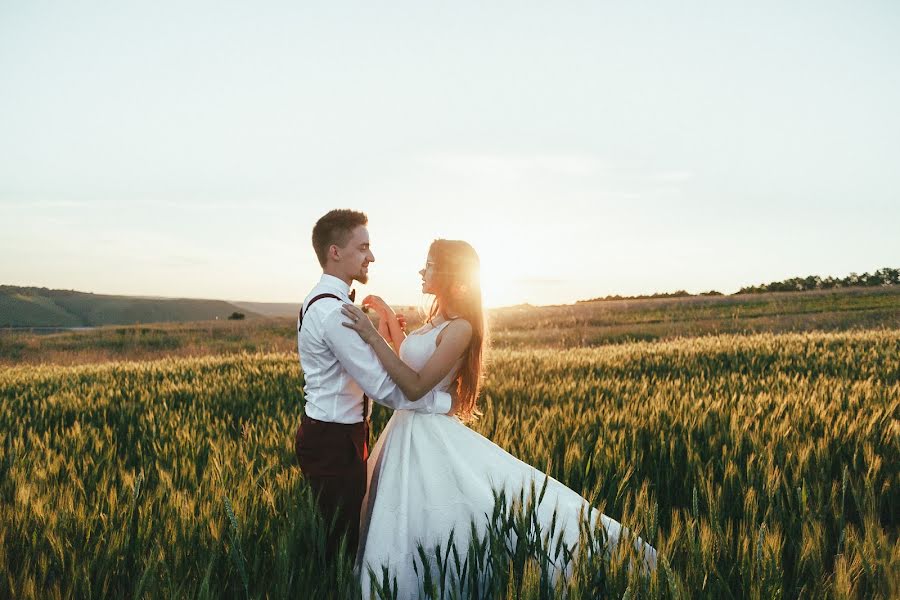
(187, 148)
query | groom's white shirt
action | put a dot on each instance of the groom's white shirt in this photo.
(339, 366)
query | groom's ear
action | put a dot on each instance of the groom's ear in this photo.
(334, 252)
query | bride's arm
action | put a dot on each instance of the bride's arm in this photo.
(388, 326)
(454, 341)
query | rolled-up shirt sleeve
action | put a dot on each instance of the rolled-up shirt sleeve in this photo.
(362, 364)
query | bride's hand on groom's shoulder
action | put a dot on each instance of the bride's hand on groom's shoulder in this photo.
(359, 322)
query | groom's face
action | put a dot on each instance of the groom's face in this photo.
(357, 255)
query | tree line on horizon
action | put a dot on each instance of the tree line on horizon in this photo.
(881, 277)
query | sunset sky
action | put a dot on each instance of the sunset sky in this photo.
(186, 149)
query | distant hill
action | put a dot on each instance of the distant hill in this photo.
(42, 307)
(270, 309)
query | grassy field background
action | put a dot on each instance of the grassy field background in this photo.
(568, 326)
(760, 465)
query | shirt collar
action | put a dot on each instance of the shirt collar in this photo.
(330, 281)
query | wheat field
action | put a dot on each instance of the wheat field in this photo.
(760, 466)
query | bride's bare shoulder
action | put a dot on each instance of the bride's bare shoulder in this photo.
(459, 328)
(460, 325)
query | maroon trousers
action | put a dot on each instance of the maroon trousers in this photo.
(332, 458)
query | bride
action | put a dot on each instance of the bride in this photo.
(430, 474)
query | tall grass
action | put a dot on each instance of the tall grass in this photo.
(760, 467)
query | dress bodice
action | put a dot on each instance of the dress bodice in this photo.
(418, 347)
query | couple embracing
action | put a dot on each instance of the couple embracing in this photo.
(428, 474)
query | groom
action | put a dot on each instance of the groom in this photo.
(342, 373)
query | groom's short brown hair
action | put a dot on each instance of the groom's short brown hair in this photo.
(335, 227)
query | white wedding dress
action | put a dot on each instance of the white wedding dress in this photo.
(428, 474)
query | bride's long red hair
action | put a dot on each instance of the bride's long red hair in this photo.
(457, 283)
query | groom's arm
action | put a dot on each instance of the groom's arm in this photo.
(361, 363)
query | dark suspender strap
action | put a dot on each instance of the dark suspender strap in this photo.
(300, 326)
(319, 297)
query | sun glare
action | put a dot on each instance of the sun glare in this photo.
(499, 285)
(513, 273)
